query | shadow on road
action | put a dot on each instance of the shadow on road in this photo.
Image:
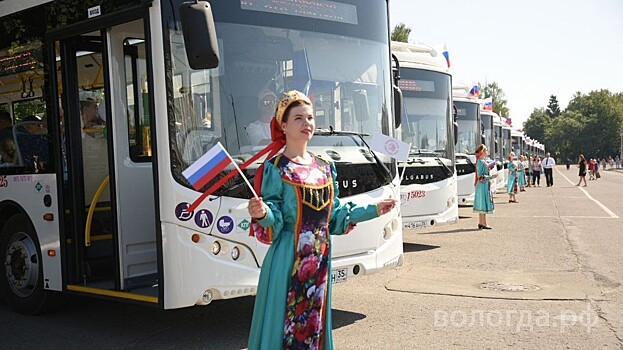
(343, 318)
(458, 230)
(414, 247)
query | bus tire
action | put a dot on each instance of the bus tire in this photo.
(21, 271)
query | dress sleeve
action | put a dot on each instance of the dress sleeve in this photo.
(344, 215)
(272, 195)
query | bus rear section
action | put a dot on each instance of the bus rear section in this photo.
(429, 184)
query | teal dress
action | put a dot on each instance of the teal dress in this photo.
(521, 175)
(293, 303)
(512, 177)
(483, 202)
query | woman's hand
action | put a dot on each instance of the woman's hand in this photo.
(386, 205)
(257, 208)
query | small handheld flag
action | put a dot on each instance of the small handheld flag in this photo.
(208, 166)
(390, 146)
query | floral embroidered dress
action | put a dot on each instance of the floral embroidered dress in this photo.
(483, 202)
(293, 302)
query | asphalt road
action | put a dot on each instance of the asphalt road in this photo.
(548, 276)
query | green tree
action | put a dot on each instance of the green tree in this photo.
(600, 114)
(499, 99)
(553, 109)
(401, 33)
(537, 124)
(565, 136)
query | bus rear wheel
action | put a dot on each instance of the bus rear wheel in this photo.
(21, 271)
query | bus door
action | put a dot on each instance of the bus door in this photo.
(110, 174)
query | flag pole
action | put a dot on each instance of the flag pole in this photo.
(243, 177)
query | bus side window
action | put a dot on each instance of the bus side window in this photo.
(32, 145)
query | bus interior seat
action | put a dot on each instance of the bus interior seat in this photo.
(31, 147)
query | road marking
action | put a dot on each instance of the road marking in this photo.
(608, 211)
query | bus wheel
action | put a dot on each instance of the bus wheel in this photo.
(21, 271)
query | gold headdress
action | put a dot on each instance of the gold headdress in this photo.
(286, 100)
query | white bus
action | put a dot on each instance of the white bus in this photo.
(428, 192)
(506, 147)
(469, 137)
(95, 202)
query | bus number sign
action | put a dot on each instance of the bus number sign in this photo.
(3, 181)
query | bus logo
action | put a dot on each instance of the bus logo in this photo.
(244, 224)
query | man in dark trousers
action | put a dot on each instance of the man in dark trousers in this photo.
(548, 167)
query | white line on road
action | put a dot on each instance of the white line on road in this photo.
(608, 211)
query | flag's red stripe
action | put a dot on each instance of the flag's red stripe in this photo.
(212, 173)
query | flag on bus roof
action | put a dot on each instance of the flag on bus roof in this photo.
(208, 166)
(488, 104)
(475, 90)
(509, 121)
(446, 54)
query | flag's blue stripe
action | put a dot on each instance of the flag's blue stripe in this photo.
(204, 169)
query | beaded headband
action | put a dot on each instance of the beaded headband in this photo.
(286, 100)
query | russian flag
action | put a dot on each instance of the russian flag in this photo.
(208, 166)
(475, 91)
(446, 54)
(509, 121)
(488, 106)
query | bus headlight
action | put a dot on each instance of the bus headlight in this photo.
(235, 253)
(216, 248)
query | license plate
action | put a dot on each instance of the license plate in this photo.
(414, 225)
(339, 275)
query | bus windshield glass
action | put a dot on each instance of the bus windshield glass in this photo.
(426, 118)
(343, 68)
(467, 118)
(487, 121)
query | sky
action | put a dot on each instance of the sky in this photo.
(531, 48)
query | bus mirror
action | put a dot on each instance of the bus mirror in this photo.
(199, 35)
(397, 106)
(456, 132)
(362, 111)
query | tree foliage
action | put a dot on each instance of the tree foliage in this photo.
(401, 33)
(591, 124)
(499, 99)
(553, 108)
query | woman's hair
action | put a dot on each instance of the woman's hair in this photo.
(286, 113)
(511, 155)
(581, 158)
(480, 149)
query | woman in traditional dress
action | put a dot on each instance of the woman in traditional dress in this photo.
(483, 202)
(521, 173)
(297, 211)
(511, 184)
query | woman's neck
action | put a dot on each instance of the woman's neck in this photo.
(297, 152)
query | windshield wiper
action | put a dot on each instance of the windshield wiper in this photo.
(384, 171)
(449, 171)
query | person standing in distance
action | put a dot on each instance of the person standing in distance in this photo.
(297, 211)
(548, 168)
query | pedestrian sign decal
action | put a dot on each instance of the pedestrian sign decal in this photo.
(204, 218)
(181, 212)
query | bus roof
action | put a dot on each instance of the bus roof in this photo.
(8, 7)
(419, 56)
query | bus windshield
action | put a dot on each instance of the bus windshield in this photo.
(426, 119)
(345, 76)
(469, 130)
(487, 121)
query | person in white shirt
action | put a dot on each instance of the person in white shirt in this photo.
(259, 130)
(548, 166)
